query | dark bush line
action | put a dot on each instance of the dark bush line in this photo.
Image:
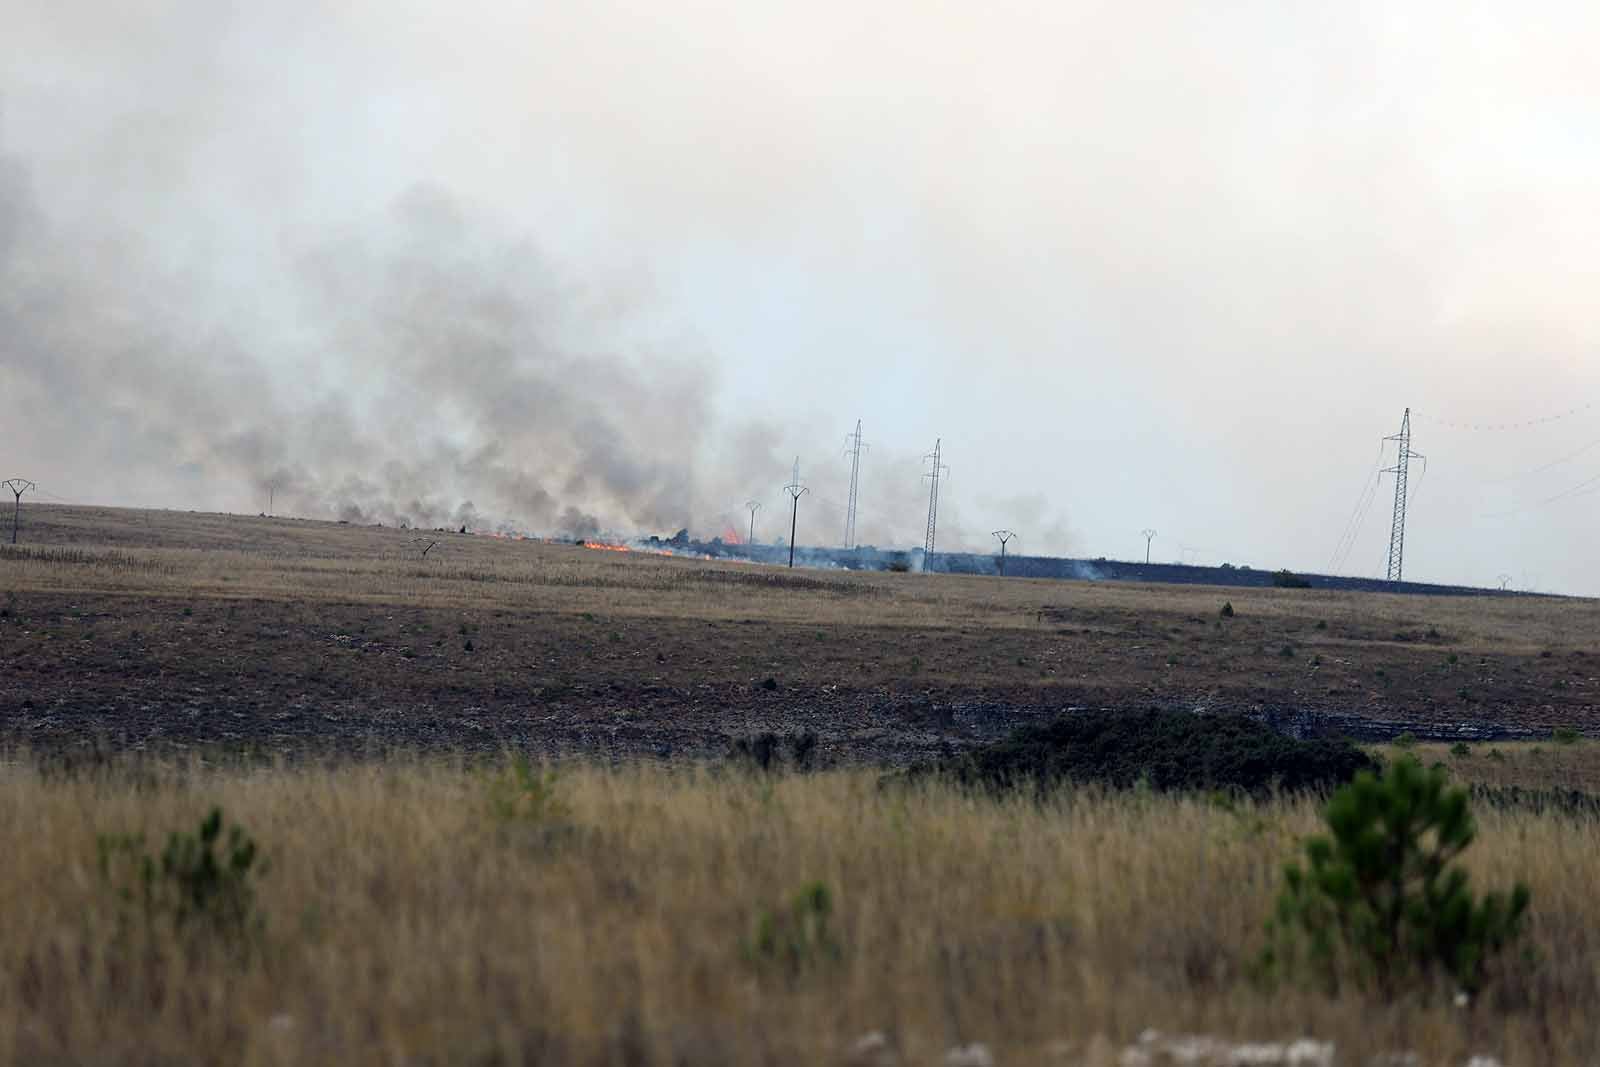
(1167, 751)
(1573, 802)
(768, 751)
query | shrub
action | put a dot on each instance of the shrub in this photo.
(1227, 609)
(797, 938)
(1287, 579)
(1406, 740)
(1380, 900)
(1565, 735)
(520, 792)
(1166, 750)
(1460, 748)
(766, 751)
(203, 882)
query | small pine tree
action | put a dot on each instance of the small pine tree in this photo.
(203, 881)
(1379, 898)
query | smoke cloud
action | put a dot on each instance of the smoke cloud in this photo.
(429, 372)
(608, 267)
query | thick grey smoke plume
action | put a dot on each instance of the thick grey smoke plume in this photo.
(443, 374)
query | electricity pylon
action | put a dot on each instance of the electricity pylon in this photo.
(17, 486)
(754, 506)
(935, 470)
(1401, 471)
(1006, 537)
(853, 448)
(795, 491)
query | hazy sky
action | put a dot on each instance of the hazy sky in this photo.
(612, 266)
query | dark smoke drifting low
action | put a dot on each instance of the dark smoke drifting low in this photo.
(426, 370)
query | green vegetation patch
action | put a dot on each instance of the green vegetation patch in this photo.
(1287, 579)
(1380, 899)
(1163, 750)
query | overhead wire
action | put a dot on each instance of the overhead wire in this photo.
(1348, 534)
(1582, 488)
(1545, 466)
(1361, 522)
(1500, 427)
(1411, 493)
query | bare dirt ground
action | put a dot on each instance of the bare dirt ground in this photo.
(166, 630)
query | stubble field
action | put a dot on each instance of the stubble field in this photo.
(165, 631)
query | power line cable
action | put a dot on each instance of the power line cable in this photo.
(1344, 532)
(1583, 488)
(1412, 496)
(1545, 466)
(1365, 509)
(1500, 427)
(1347, 534)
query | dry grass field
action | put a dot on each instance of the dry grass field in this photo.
(164, 630)
(414, 914)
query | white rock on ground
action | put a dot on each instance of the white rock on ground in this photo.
(872, 1049)
(1201, 1050)
(973, 1055)
(1308, 1053)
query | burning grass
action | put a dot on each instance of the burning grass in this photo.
(436, 913)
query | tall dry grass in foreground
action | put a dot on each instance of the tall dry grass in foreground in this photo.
(416, 912)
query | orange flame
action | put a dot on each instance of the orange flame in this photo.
(602, 547)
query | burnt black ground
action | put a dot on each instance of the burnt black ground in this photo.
(163, 631)
(148, 674)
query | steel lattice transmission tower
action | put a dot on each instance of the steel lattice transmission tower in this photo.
(935, 470)
(853, 448)
(1401, 471)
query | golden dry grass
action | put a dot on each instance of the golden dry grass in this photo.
(1525, 765)
(407, 923)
